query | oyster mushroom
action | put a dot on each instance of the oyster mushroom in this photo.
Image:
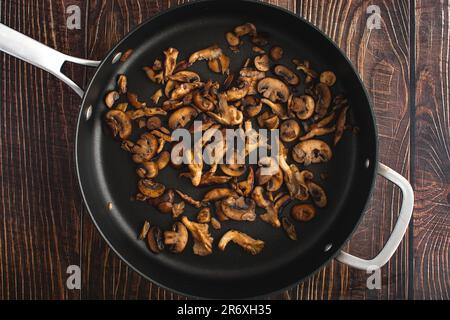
(189, 199)
(227, 115)
(119, 123)
(323, 102)
(111, 98)
(239, 209)
(289, 130)
(245, 29)
(156, 77)
(276, 53)
(271, 214)
(195, 167)
(218, 194)
(303, 212)
(155, 240)
(303, 107)
(177, 209)
(273, 89)
(202, 237)
(262, 63)
(317, 194)
(287, 75)
(294, 180)
(252, 106)
(177, 238)
(145, 148)
(150, 188)
(170, 62)
(311, 151)
(210, 53)
(243, 240)
(181, 117)
(328, 78)
(314, 132)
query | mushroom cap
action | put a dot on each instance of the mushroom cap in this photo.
(328, 78)
(252, 106)
(289, 130)
(317, 194)
(145, 148)
(181, 117)
(273, 89)
(150, 188)
(177, 238)
(119, 122)
(276, 53)
(286, 74)
(262, 62)
(311, 151)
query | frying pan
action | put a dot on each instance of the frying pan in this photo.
(106, 174)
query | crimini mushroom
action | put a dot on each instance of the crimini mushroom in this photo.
(287, 75)
(289, 130)
(220, 65)
(262, 63)
(164, 203)
(210, 53)
(305, 67)
(153, 123)
(133, 99)
(226, 114)
(232, 39)
(185, 76)
(273, 89)
(239, 209)
(111, 97)
(202, 237)
(251, 77)
(277, 108)
(119, 123)
(303, 106)
(245, 29)
(252, 106)
(317, 194)
(237, 93)
(181, 117)
(249, 244)
(323, 102)
(145, 148)
(170, 61)
(268, 120)
(150, 188)
(276, 53)
(294, 180)
(155, 240)
(177, 238)
(184, 89)
(303, 212)
(311, 151)
(328, 78)
(148, 170)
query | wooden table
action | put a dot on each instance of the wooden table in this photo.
(45, 228)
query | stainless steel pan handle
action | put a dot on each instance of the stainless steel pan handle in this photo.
(38, 54)
(399, 230)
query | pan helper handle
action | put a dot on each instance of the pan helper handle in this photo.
(399, 230)
(38, 54)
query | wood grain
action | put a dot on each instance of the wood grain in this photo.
(40, 204)
(432, 158)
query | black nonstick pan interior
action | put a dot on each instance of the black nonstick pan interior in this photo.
(107, 173)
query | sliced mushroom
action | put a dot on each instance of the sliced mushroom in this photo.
(317, 194)
(293, 180)
(276, 53)
(342, 118)
(119, 123)
(245, 187)
(134, 100)
(155, 240)
(164, 202)
(237, 93)
(195, 166)
(204, 215)
(215, 224)
(181, 117)
(233, 170)
(289, 130)
(317, 132)
(170, 62)
(150, 188)
(145, 112)
(227, 115)
(122, 83)
(271, 214)
(289, 228)
(273, 89)
(210, 53)
(323, 102)
(262, 63)
(277, 108)
(232, 39)
(177, 238)
(184, 89)
(189, 199)
(144, 230)
(260, 39)
(202, 237)
(269, 121)
(239, 209)
(178, 209)
(328, 78)
(305, 67)
(145, 148)
(303, 212)
(156, 77)
(185, 76)
(111, 98)
(243, 240)
(252, 106)
(311, 151)
(153, 123)
(251, 77)
(148, 170)
(218, 194)
(302, 106)
(245, 29)
(323, 122)
(220, 65)
(287, 75)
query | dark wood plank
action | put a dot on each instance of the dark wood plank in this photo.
(40, 204)
(431, 161)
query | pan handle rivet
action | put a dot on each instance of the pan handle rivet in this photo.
(116, 57)
(88, 112)
(367, 163)
(328, 247)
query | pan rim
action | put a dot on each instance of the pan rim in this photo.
(336, 250)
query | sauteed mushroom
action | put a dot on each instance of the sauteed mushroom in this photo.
(323, 94)
(145, 148)
(289, 228)
(217, 194)
(273, 89)
(342, 118)
(111, 98)
(134, 100)
(232, 39)
(317, 132)
(317, 194)
(303, 212)
(311, 151)
(262, 63)
(204, 215)
(177, 238)
(227, 115)
(302, 106)
(170, 62)
(245, 29)
(210, 53)
(245, 187)
(239, 209)
(185, 76)
(243, 240)
(150, 188)
(153, 123)
(289, 130)
(181, 117)
(287, 75)
(164, 203)
(276, 53)
(155, 240)
(189, 199)
(277, 108)
(328, 78)
(252, 106)
(144, 230)
(202, 237)
(119, 123)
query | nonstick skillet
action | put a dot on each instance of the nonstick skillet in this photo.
(106, 174)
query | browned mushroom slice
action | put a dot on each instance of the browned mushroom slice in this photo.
(157, 77)
(342, 118)
(287, 75)
(122, 84)
(156, 96)
(245, 29)
(227, 115)
(170, 62)
(202, 102)
(303, 212)
(245, 187)
(148, 170)
(269, 121)
(289, 130)
(153, 123)
(277, 108)
(233, 170)
(150, 188)
(145, 112)
(232, 39)
(276, 53)
(305, 67)
(328, 78)
(181, 66)
(251, 77)
(243, 240)
(134, 100)
(111, 98)
(195, 166)
(189, 199)
(302, 106)
(122, 106)
(185, 76)
(215, 224)
(317, 194)
(177, 238)
(210, 53)
(145, 148)
(181, 117)
(184, 89)
(252, 106)
(260, 39)
(311, 151)
(119, 123)
(155, 240)
(217, 194)
(202, 237)
(239, 209)
(237, 93)
(164, 202)
(271, 214)
(293, 180)
(323, 122)
(273, 89)
(317, 132)
(220, 65)
(262, 63)
(323, 94)
(289, 228)
(178, 209)
(144, 230)
(204, 215)
(163, 160)
(258, 50)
